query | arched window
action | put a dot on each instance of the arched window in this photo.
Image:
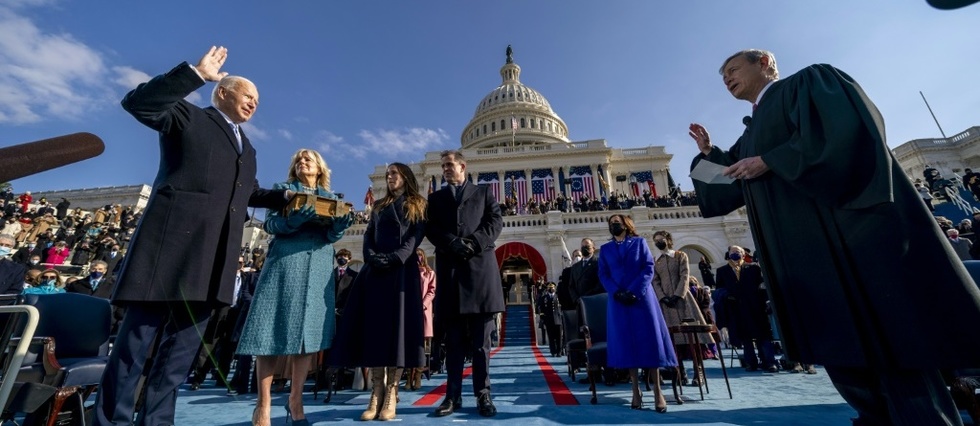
(493, 126)
(477, 131)
(502, 125)
(532, 123)
(484, 129)
(523, 123)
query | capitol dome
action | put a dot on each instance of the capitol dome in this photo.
(513, 115)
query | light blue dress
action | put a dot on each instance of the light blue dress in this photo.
(292, 310)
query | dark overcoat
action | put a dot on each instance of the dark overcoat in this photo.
(187, 243)
(471, 286)
(382, 324)
(856, 267)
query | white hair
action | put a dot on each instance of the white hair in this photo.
(228, 82)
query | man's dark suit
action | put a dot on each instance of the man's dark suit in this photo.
(343, 287)
(741, 307)
(243, 365)
(584, 279)
(11, 277)
(112, 262)
(469, 290)
(24, 254)
(198, 205)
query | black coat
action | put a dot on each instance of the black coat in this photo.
(186, 246)
(343, 287)
(855, 265)
(584, 279)
(741, 303)
(465, 286)
(382, 323)
(249, 280)
(12, 276)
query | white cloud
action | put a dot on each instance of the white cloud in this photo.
(43, 75)
(327, 142)
(255, 133)
(129, 77)
(286, 134)
(389, 143)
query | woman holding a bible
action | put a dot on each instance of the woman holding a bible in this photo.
(292, 311)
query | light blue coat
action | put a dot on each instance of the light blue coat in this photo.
(293, 308)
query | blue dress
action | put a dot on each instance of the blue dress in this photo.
(637, 336)
(292, 311)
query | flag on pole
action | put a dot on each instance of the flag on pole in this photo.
(432, 185)
(513, 125)
(603, 186)
(561, 181)
(567, 257)
(369, 197)
(515, 187)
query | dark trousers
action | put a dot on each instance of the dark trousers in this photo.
(468, 333)
(554, 338)
(767, 353)
(172, 333)
(243, 372)
(217, 349)
(896, 396)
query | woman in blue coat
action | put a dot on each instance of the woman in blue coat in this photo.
(637, 336)
(292, 311)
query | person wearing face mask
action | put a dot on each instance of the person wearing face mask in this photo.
(112, 258)
(11, 273)
(671, 283)
(550, 311)
(26, 252)
(740, 303)
(584, 275)
(49, 282)
(626, 271)
(382, 324)
(428, 282)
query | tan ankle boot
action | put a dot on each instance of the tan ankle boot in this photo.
(377, 394)
(391, 394)
(417, 378)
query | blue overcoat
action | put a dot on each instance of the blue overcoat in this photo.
(637, 336)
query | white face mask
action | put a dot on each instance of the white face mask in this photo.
(578, 258)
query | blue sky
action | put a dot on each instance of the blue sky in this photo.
(368, 82)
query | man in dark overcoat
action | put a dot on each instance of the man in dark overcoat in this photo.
(464, 222)
(182, 260)
(845, 241)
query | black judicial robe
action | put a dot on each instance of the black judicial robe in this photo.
(857, 269)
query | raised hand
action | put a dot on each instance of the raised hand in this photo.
(210, 64)
(700, 135)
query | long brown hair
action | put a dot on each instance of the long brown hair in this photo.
(415, 203)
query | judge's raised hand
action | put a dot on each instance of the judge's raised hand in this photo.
(746, 168)
(700, 135)
(210, 64)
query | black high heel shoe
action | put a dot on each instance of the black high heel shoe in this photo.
(661, 409)
(637, 402)
(290, 421)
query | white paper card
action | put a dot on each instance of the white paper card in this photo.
(710, 173)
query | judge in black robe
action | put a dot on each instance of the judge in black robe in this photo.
(860, 277)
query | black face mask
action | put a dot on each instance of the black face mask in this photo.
(616, 229)
(586, 251)
(341, 261)
(662, 245)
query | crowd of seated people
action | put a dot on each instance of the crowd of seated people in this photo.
(615, 201)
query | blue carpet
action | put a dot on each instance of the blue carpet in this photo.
(522, 395)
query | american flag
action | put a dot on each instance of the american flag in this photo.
(542, 185)
(513, 125)
(515, 186)
(581, 178)
(641, 181)
(490, 179)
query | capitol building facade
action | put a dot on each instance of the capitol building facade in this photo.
(518, 146)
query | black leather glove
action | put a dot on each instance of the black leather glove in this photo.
(380, 260)
(665, 300)
(461, 249)
(625, 297)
